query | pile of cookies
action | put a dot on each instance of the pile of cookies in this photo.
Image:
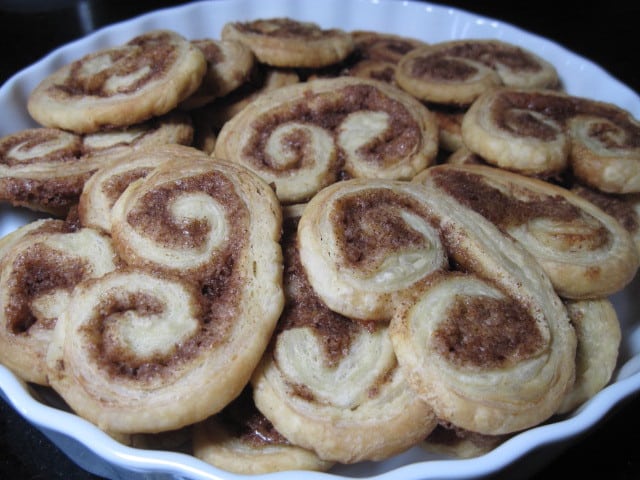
(296, 247)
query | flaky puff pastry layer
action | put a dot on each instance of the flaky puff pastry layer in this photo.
(40, 265)
(174, 336)
(586, 252)
(489, 346)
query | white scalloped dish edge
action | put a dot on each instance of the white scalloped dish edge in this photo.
(97, 452)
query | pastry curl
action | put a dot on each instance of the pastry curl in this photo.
(229, 65)
(241, 440)
(285, 42)
(546, 132)
(586, 252)
(598, 332)
(175, 336)
(301, 137)
(45, 169)
(367, 244)
(328, 381)
(489, 346)
(384, 47)
(118, 86)
(458, 71)
(40, 264)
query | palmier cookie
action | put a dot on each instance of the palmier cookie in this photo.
(458, 71)
(45, 169)
(172, 338)
(586, 252)
(382, 46)
(285, 42)
(367, 244)
(541, 132)
(598, 331)
(229, 65)
(123, 85)
(489, 344)
(329, 381)
(40, 264)
(304, 137)
(241, 440)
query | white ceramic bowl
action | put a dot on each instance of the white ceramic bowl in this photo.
(98, 453)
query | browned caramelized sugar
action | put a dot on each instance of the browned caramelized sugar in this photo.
(244, 421)
(119, 361)
(33, 138)
(487, 332)
(328, 110)
(506, 210)
(55, 194)
(37, 271)
(113, 187)
(369, 226)
(303, 308)
(152, 217)
(153, 52)
(211, 50)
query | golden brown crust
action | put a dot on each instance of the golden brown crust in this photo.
(123, 85)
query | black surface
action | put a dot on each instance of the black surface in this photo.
(605, 32)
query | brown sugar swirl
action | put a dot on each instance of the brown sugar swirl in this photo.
(173, 336)
(544, 132)
(304, 137)
(41, 263)
(329, 379)
(586, 252)
(366, 244)
(457, 72)
(487, 342)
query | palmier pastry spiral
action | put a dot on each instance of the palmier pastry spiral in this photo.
(229, 65)
(366, 244)
(172, 338)
(586, 252)
(241, 440)
(328, 381)
(542, 131)
(457, 72)
(301, 137)
(598, 332)
(122, 85)
(489, 346)
(40, 264)
(385, 47)
(285, 42)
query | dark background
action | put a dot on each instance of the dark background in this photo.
(605, 32)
